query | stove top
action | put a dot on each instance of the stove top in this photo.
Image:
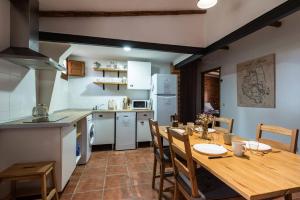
(45, 119)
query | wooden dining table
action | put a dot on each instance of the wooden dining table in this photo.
(256, 175)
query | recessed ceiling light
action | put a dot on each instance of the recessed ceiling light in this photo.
(127, 48)
(205, 4)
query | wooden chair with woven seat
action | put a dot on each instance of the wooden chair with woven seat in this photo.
(222, 120)
(290, 147)
(32, 171)
(191, 182)
(162, 156)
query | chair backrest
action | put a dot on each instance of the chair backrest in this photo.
(292, 133)
(157, 139)
(182, 160)
(222, 120)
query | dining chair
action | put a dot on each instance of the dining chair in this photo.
(162, 156)
(222, 120)
(292, 133)
(192, 182)
(291, 147)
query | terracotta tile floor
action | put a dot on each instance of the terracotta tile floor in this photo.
(117, 175)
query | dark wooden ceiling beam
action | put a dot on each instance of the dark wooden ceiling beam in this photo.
(49, 13)
(276, 24)
(89, 40)
(285, 9)
(264, 20)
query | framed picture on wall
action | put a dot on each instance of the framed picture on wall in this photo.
(256, 82)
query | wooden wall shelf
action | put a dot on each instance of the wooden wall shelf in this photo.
(110, 70)
(109, 83)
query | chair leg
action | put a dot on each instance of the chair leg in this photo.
(154, 172)
(13, 186)
(176, 192)
(53, 176)
(161, 183)
(288, 197)
(44, 187)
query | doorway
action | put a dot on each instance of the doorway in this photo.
(210, 94)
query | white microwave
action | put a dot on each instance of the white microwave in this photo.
(140, 104)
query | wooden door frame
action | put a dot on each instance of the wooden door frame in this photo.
(203, 83)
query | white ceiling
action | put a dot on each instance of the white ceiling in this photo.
(103, 52)
(186, 30)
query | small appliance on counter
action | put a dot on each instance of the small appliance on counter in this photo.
(140, 104)
(41, 110)
(125, 103)
(112, 104)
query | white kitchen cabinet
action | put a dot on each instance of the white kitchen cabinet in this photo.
(104, 128)
(139, 75)
(125, 130)
(68, 152)
(142, 129)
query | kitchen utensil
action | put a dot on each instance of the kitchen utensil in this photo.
(41, 110)
(210, 149)
(216, 157)
(238, 148)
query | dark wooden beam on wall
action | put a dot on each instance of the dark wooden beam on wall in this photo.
(88, 40)
(285, 9)
(225, 48)
(276, 24)
(53, 13)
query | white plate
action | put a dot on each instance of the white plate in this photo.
(210, 149)
(210, 130)
(253, 145)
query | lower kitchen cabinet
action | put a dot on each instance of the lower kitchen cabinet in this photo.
(125, 130)
(68, 153)
(104, 128)
(142, 128)
(27, 145)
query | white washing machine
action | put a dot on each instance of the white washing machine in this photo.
(88, 139)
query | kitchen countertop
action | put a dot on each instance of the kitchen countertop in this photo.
(71, 116)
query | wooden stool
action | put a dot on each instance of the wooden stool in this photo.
(31, 171)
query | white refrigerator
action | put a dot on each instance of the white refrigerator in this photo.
(164, 97)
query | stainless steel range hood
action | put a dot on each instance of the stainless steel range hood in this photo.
(24, 37)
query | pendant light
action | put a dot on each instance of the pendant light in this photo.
(205, 4)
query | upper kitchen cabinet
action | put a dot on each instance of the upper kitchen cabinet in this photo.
(76, 68)
(139, 75)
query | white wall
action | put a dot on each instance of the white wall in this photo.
(83, 93)
(17, 84)
(59, 98)
(284, 42)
